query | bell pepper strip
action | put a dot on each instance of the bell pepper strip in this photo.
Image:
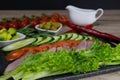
(93, 32)
(88, 26)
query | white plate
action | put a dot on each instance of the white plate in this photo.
(52, 31)
(4, 43)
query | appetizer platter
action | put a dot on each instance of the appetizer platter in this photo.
(76, 53)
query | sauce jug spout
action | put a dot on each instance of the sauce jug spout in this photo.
(69, 7)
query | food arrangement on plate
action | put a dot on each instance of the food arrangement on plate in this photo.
(42, 54)
(52, 27)
(8, 36)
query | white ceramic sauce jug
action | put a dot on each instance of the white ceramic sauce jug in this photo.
(83, 17)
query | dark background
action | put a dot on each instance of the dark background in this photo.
(57, 4)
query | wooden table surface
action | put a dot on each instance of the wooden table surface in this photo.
(109, 23)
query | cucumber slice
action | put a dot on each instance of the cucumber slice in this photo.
(74, 36)
(55, 39)
(62, 37)
(46, 40)
(90, 38)
(69, 35)
(18, 44)
(80, 37)
(85, 38)
(39, 39)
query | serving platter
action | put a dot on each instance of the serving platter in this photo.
(105, 70)
(102, 70)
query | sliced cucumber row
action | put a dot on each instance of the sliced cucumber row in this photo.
(66, 36)
(75, 36)
(42, 40)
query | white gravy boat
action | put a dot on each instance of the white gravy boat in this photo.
(83, 17)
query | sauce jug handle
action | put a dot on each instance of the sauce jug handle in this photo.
(100, 13)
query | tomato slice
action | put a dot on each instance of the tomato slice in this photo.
(1, 27)
(14, 25)
(45, 19)
(5, 24)
(63, 19)
(24, 23)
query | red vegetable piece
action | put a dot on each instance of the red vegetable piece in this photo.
(89, 26)
(5, 24)
(94, 32)
(34, 22)
(24, 23)
(14, 25)
(1, 27)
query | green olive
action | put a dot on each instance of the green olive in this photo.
(50, 25)
(46, 27)
(42, 25)
(53, 28)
